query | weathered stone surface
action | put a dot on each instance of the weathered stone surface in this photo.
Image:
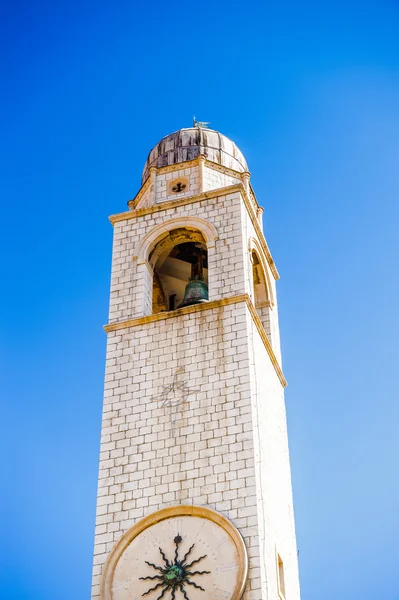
(193, 406)
(187, 144)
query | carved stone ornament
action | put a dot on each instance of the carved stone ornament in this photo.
(178, 553)
(178, 186)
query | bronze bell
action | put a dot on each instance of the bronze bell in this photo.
(196, 292)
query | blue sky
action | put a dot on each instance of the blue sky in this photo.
(310, 93)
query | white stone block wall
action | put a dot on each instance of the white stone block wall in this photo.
(264, 315)
(164, 179)
(147, 198)
(201, 452)
(268, 315)
(272, 467)
(131, 283)
(214, 179)
(226, 445)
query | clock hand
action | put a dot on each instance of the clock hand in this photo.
(195, 585)
(177, 541)
(195, 561)
(164, 557)
(175, 574)
(159, 597)
(186, 554)
(183, 592)
(154, 566)
(154, 588)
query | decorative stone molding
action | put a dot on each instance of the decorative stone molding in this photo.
(177, 186)
(153, 178)
(133, 203)
(133, 214)
(145, 245)
(173, 238)
(200, 162)
(199, 198)
(223, 169)
(255, 246)
(245, 180)
(106, 592)
(176, 167)
(207, 306)
(259, 214)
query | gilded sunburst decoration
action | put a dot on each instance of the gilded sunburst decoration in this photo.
(176, 574)
(182, 552)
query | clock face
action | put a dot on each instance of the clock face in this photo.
(181, 553)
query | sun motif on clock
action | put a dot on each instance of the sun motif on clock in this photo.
(177, 553)
(175, 575)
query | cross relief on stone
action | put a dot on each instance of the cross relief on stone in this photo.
(179, 187)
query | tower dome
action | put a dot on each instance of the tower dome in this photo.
(187, 144)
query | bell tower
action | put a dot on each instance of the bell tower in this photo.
(194, 493)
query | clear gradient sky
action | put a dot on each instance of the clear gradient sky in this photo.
(310, 93)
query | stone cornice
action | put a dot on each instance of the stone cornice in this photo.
(223, 169)
(140, 212)
(238, 187)
(140, 193)
(178, 167)
(259, 233)
(174, 313)
(199, 308)
(265, 340)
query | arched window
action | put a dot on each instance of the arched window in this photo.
(260, 296)
(179, 257)
(259, 282)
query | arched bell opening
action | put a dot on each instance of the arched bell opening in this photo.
(180, 265)
(259, 282)
(260, 293)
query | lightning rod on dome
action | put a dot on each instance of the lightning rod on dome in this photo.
(200, 123)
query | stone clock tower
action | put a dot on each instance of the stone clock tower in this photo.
(194, 497)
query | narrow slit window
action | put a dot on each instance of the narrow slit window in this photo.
(280, 576)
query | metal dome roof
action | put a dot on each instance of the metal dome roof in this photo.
(187, 144)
